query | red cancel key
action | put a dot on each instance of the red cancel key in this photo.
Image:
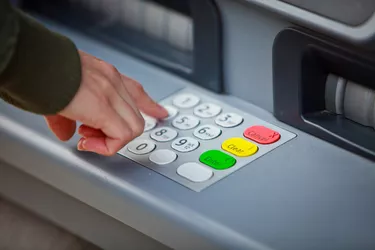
(261, 135)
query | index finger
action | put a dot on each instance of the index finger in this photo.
(143, 100)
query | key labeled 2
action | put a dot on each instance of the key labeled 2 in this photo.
(185, 122)
(207, 110)
(207, 132)
(185, 144)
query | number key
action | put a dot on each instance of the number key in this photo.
(207, 132)
(185, 122)
(229, 120)
(207, 110)
(185, 101)
(141, 147)
(163, 134)
(185, 144)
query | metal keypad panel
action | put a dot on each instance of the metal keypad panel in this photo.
(202, 141)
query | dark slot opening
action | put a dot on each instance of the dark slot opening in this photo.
(187, 40)
(300, 77)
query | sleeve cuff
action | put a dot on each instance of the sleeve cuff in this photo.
(44, 72)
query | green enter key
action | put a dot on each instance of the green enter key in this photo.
(217, 159)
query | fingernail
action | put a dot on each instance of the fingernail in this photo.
(163, 109)
(80, 145)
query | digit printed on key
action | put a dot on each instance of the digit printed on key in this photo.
(207, 110)
(185, 122)
(228, 120)
(207, 132)
(141, 147)
(185, 101)
(163, 134)
(185, 144)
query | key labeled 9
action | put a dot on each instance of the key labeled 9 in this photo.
(185, 144)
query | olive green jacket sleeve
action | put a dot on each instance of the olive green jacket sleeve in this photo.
(40, 70)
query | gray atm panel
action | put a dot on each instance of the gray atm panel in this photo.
(361, 34)
(308, 195)
(350, 12)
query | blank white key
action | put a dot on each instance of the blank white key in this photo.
(186, 101)
(229, 120)
(207, 110)
(207, 132)
(185, 144)
(163, 134)
(195, 172)
(163, 156)
(185, 122)
(141, 147)
(172, 112)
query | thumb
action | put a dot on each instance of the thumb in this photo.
(62, 127)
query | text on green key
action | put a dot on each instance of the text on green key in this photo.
(217, 159)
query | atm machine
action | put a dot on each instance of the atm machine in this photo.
(270, 141)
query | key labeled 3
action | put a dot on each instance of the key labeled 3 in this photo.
(228, 120)
(185, 144)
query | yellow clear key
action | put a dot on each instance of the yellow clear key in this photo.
(239, 147)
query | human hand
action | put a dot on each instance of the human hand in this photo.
(108, 105)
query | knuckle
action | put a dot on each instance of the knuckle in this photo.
(111, 71)
(105, 85)
(139, 88)
(125, 135)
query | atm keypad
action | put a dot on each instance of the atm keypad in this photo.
(202, 141)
